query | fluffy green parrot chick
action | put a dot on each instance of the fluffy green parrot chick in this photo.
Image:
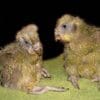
(81, 48)
(21, 63)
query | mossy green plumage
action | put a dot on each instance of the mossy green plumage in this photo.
(20, 64)
(81, 48)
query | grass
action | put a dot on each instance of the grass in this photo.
(88, 90)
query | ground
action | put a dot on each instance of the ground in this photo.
(88, 90)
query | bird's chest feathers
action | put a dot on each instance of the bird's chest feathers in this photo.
(81, 48)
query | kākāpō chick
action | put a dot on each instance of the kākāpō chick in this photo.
(81, 48)
(21, 63)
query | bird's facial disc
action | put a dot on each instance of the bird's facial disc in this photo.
(64, 32)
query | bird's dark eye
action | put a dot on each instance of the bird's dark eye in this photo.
(26, 42)
(69, 27)
(64, 26)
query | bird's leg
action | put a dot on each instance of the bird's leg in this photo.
(41, 90)
(74, 81)
(45, 73)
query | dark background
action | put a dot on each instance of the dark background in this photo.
(44, 13)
